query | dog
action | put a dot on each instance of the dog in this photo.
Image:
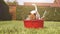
(32, 15)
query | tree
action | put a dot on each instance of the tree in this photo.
(4, 11)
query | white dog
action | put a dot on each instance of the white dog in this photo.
(34, 14)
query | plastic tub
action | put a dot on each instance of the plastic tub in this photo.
(34, 23)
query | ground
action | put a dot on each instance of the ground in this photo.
(17, 27)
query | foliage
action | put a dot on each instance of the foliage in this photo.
(12, 3)
(53, 13)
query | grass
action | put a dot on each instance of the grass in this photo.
(17, 27)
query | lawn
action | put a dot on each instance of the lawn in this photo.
(17, 27)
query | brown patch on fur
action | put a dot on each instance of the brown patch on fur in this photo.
(32, 16)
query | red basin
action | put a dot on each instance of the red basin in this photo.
(34, 23)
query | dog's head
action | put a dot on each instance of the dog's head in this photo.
(32, 15)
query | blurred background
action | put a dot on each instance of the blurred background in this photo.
(19, 9)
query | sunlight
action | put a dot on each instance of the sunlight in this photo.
(21, 2)
(36, 1)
